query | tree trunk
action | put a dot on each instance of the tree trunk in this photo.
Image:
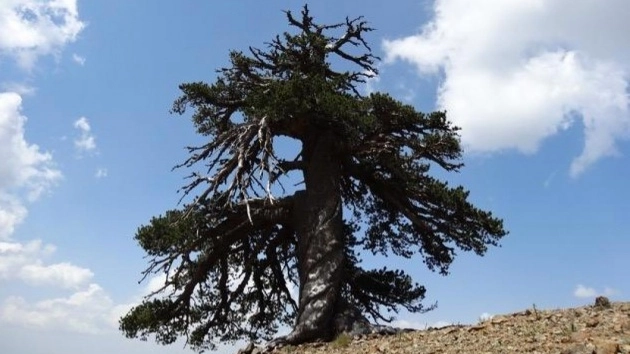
(318, 223)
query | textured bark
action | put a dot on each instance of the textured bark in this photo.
(318, 223)
(349, 319)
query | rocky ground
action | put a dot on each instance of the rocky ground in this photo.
(602, 328)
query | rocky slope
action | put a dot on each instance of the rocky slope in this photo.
(603, 328)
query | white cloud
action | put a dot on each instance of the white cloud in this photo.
(14, 256)
(582, 291)
(30, 29)
(25, 172)
(26, 262)
(409, 324)
(21, 89)
(485, 316)
(63, 274)
(155, 283)
(86, 140)
(78, 59)
(371, 82)
(518, 72)
(87, 311)
(12, 213)
(33, 28)
(402, 323)
(101, 172)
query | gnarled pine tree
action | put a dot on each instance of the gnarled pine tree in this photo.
(233, 255)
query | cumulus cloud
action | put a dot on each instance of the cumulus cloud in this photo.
(25, 172)
(15, 255)
(30, 29)
(33, 28)
(90, 310)
(20, 88)
(63, 274)
(12, 213)
(582, 291)
(26, 262)
(86, 141)
(518, 72)
(87, 309)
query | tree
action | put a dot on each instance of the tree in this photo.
(233, 254)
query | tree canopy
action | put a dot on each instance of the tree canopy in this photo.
(232, 256)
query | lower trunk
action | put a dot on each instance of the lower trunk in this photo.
(322, 312)
(320, 264)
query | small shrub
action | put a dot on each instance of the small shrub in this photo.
(343, 340)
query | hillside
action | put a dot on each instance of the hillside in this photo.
(602, 328)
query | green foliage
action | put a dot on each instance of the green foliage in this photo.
(230, 256)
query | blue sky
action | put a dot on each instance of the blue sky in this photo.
(87, 145)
